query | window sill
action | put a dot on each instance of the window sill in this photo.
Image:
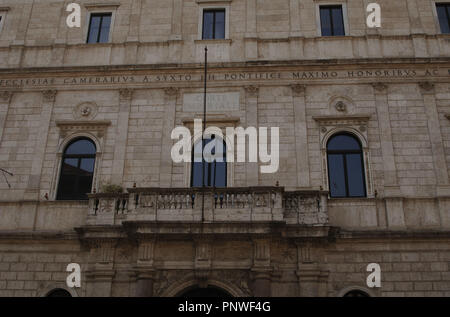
(327, 37)
(221, 41)
(351, 200)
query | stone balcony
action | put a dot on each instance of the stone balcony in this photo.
(233, 205)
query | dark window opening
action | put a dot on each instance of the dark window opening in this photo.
(214, 168)
(213, 24)
(99, 26)
(77, 170)
(345, 167)
(59, 292)
(332, 20)
(356, 293)
(443, 12)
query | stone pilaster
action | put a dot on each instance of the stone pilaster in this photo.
(294, 18)
(301, 135)
(145, 271)
(101, 272)
(414, 17)
(437, 146)
(387, 147)
(202, 260)
(132, 41)
(311, 278)
(417, 32)
(165, 163)
(394, 204)
(261, 272)
(120, 142)
(133, 30)
(48, 100)
(295, 30)
(251, 96)
(251, 42)
(5, 99)
(177, 13)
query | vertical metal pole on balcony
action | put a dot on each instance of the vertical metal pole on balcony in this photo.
(203, 132)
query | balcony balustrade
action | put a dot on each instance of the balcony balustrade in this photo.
(247, 204)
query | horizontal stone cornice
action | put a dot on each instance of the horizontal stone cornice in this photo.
(343, 119)
(344, 62)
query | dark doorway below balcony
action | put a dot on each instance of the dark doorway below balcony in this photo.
(204, 292)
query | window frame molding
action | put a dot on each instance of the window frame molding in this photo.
(211, 5)
(435, 15)
(344, 17)
(221, 123)
(97, 9)
(356, 125)
(78, 157)
(71, 130)
(344, 154)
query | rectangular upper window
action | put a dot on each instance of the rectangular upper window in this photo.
(213, 24)
(99, 26)
(443, 13)
(332, 20)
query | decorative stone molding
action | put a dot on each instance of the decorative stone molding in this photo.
(212, 1)
(298, 90)
(251, 91)
(304, 252)
(125, 94)
(353, 124)
(362, 119)
(5, 96)
(170, 283)
(102, 250)
(426, 87)
(69, 127)
(261, 253)
(145, 252)
(49, 95)
(68, 131)
(171, 91)
(85, 111)
(379, 87)
(99, 5)
(340, 106)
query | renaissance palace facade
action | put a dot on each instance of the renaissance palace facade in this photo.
(86, 116)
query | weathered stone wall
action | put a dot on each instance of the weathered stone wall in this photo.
(393, 81)
(409, 267)
(152, 32)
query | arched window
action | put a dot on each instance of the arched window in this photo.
(356, 293)
(345, 166)
(58, 292)
(77, 170)
(214, 165)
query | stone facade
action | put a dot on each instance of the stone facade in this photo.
(279, 234)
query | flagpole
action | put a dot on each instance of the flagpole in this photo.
(203, 132)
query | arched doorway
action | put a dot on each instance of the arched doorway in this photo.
(204, 292)
(58, 292)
